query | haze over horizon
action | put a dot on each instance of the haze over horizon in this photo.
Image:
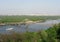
(29, 7)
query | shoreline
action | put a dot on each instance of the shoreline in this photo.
(21, 23)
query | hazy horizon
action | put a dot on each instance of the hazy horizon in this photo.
(29, 7)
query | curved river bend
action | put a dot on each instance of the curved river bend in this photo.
(31, 27)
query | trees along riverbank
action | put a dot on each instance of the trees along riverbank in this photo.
(50, 35)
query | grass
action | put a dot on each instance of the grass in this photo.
(9, 19)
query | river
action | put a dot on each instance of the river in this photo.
(4, 29)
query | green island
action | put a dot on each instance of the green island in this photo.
(22, 19)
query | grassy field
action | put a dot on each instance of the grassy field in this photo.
(8, 19)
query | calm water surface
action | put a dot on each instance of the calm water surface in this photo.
(30, 27)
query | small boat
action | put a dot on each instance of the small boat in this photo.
(9, 28)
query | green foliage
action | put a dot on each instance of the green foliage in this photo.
(49, 35)
(8, 19)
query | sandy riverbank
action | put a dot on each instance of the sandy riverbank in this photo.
(20, 23)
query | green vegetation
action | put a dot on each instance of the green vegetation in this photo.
(9, 19)
(50, 35)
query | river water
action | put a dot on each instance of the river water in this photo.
(29, 27)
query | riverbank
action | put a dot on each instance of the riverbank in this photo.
(50, 35)
(21, 23)
(30, 19)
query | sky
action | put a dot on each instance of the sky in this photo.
(22, 7)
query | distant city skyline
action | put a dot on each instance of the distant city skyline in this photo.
(29, 7)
